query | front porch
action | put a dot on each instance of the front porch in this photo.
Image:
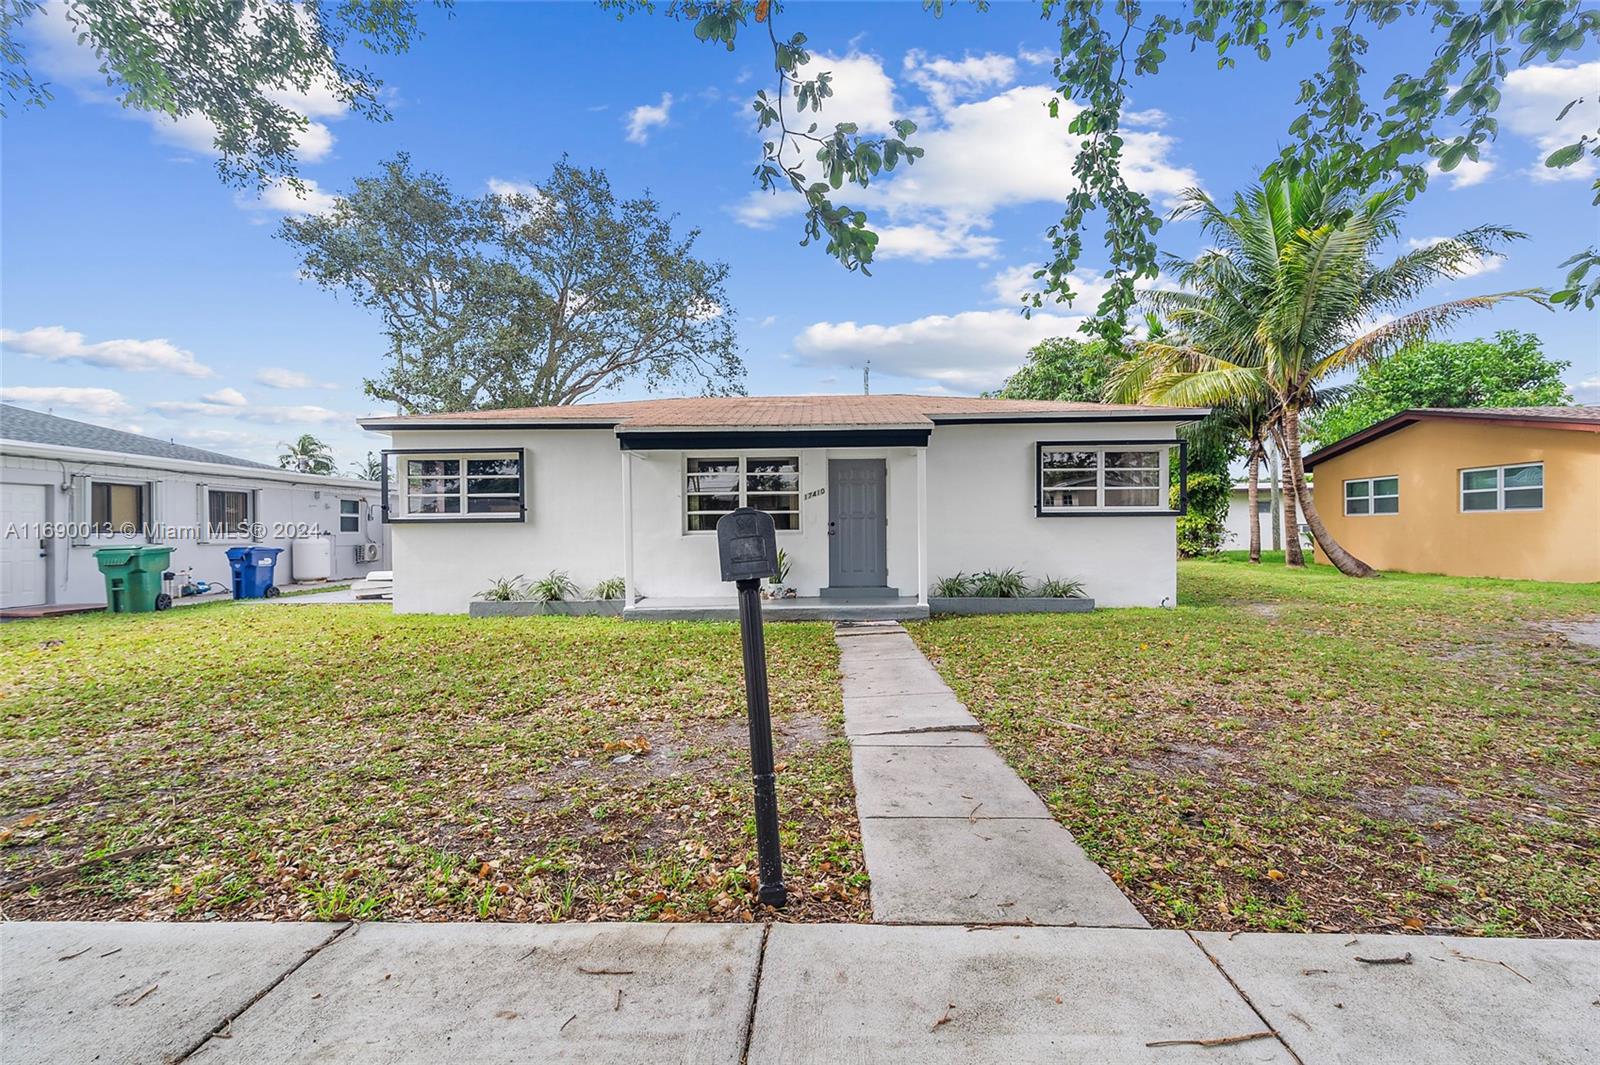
(805, 608)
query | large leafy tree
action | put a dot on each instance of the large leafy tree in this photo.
(1509, 370)
(1062, 368)
(1284, 302)
(238, 65)
(539, 297)
(1441, 112)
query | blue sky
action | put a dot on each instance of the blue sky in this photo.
(137, 290)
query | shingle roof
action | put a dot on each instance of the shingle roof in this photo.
(1579, 417)
(779, 412)
(30, 426)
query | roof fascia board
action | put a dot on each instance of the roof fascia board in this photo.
(133, 460)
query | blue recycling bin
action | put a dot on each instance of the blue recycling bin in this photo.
(252, 571)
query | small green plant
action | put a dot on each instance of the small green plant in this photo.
(783, 568)
(504, 590)
(610, 588)
(553, 587)
(1004, 584)
(953, 587)
(1059, 588)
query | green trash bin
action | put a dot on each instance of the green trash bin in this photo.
(133, 578)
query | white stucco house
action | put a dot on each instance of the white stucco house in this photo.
(874, 497)
(1237, 523)
(68, 488)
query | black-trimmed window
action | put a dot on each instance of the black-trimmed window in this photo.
(349, 515)
(464, 485)
(715, 485)
(1124, 477)
(116, 508)
(1372, 495)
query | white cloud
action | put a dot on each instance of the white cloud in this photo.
(280, 197)
(947, 80)
(1535, 95)
(278, 377)
(299, 414)
(925, 243)
(1482, 265)
(941, 207)
(1468, 172)
(501, 187)
(228, 397)
(1153, 117)
(966, 352)
(55, 343)
(1587, 390)
(96, 402)
(863, 93)
(645, 117)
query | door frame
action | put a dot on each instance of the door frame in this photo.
(883, 527)
(46, 544)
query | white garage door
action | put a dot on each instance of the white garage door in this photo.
(21, 551)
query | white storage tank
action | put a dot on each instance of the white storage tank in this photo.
(312, 558)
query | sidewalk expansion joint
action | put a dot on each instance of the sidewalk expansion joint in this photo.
(1276, 1034)
(755, 995)
(216, 1032)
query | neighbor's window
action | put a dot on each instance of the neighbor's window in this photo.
(481, 485)
(116, 508)
(1102, 478)
(349, 515)
(1518, 487)
(715, 486)
(1372, 495)
(228, 512)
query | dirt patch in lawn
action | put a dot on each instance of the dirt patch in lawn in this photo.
(341, 762)
(1412, 753)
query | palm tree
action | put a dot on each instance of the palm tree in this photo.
(307, 455)
(1290, 297)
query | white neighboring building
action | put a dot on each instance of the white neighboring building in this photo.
(67, 487)
(875, 497)
(1237, 525)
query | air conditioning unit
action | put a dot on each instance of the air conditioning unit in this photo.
(366, 552)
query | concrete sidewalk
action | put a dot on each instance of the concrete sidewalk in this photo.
(950, 833)
(490, 993)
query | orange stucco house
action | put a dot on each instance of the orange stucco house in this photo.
(1472, 492)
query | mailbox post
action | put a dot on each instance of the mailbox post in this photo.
(748, 547)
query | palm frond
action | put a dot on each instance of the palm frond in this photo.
(1413, 328)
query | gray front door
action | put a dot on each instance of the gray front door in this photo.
(858, 524)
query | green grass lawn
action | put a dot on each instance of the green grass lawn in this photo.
(1306, 751)
(328, 762)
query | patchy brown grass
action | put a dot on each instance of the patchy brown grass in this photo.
(1304, 751)
(247, 762)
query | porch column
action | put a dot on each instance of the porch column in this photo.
(922, 526)
(627, 528)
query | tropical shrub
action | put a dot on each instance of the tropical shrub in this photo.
(953, 587)
(504, 590)
(552, 588)
(1201, 529)
(610, 588)
(1004, 584)
(1059, 588)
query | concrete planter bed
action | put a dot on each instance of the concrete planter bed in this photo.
(522, 608)
(1022, 604)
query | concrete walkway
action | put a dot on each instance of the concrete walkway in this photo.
(492, 993)
(951, 834)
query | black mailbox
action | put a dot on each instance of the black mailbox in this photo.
(748, 545)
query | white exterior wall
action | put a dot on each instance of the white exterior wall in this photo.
(670, 562)
(1238, 521)
(573, 481)
(981, 493)
(71, 575)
